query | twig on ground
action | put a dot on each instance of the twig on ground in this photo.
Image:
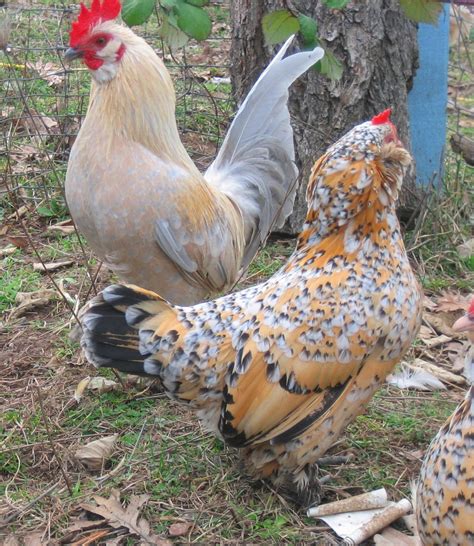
(18, 512)
(51, 442)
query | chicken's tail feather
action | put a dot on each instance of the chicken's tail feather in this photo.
(255, 166)
(111, 337)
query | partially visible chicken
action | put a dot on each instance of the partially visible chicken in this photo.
(135, 193)
(281, 368)
(445, 492)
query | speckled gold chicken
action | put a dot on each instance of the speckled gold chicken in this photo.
(445, 493)
(279, 369)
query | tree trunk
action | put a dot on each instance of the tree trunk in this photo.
(378, 48)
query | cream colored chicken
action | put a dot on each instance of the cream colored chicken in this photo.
(135, 193)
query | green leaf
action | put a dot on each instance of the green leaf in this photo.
(54, 209)
(330, 66)
(168, 4)
(136, 12)
(193, 21)
(308, 30)
(45, 211)
(173, 36)
(278, 26)
(172, 19)
(198, 3)
(422, 11)
(336, 4)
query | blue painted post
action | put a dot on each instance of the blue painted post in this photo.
(427, 101)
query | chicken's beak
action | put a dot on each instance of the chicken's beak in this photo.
(464, 324)
(72, 53)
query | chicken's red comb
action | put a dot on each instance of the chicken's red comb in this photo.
(88, 18)
(383, 117)
(470, 311)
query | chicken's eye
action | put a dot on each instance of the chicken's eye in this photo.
(100, 41)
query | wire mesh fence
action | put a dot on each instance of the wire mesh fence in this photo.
(461, 75)
(43, 101)
(443, 219)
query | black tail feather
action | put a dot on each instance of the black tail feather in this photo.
(107, 340)
(106, 348)
(111, 325)
(120, 294)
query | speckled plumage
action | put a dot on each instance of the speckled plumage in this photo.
(445, 497)
(445, 492)
(279, 369)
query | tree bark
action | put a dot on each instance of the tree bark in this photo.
(378, 48)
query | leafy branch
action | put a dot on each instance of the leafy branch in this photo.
(180, 19)
(280, 24)
(185, 19)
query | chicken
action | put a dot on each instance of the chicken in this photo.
(135, 193)
(445, 493)
(279, 369)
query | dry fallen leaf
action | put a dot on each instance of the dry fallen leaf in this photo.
(8, 250)
(94, 454)
(416, 455)
(81, 387)
(101, 384)
(78, 526)
(428, 303)
(441, 323)
(50, 72)
(117, 516)
(53, 363)
(466, 249)
(11, 540)
(179, 529)
(37, 126)
(425, 332)
(65, 227)
(19, 213)
(20, 241)
(452, 301)
(6, 111)
(36, 538)
(85, 532)
(30, 300)
(51, 266)
(436, 341)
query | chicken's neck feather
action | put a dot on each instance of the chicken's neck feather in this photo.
(138, 104)
(351, 205)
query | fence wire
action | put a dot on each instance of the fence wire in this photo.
(44, 101)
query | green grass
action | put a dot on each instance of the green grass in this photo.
(447, 224)
(16, 277)
(59, 247)
(388, 427)
(66, 349)
(270, 259)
